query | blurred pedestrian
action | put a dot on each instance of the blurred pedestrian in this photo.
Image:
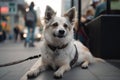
(89, 15)
(100, 8)
(16, 32)
(1, 33)
(30, 22)
(95, 3)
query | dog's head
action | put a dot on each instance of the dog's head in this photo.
(59, 30)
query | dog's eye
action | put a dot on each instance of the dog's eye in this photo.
(65, 25)
(55, 24)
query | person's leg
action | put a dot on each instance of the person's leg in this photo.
(16, 37)
(32, 36)
(27, 40)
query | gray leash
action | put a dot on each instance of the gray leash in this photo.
(19, 61)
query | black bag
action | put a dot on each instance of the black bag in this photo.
(30, 16)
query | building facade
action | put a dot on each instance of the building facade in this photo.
(66, 4)
(11, 12)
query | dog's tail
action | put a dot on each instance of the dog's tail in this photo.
(99, 59)
(94, 59)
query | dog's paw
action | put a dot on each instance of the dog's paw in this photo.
(58, 75)
(32, 74)
(84, 66)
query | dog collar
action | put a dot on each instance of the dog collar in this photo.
(75, 57)
(53, 48)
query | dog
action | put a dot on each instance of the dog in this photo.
(59, 50)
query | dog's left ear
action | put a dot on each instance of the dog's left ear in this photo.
(71, 14)
(49, 13)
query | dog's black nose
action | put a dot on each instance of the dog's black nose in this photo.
(61, 31)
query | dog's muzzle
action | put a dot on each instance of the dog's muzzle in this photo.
(60, 34)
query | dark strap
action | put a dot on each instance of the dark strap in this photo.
(75, 57)
(20, 61)
(53, 48)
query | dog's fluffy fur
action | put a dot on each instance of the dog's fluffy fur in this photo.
(58, 32)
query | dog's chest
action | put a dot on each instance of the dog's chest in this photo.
(57, 57)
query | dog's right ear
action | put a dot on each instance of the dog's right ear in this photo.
(49, 13)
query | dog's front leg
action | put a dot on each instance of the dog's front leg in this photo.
(38, 67)
(61, 70)
(85, 64)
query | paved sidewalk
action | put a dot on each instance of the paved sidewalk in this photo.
(11, 51)
(97, 71)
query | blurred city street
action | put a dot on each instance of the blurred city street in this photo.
(11, 51)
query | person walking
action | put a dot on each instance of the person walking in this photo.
(101, 7)
(1, 33)
(16, 32)
(30, 22)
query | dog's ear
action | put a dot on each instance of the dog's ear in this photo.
(71, 14)
(49, 13)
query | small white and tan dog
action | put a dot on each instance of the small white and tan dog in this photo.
(59, 49)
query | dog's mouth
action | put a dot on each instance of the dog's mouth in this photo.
(59, 35)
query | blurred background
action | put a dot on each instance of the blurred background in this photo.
(12, 12)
